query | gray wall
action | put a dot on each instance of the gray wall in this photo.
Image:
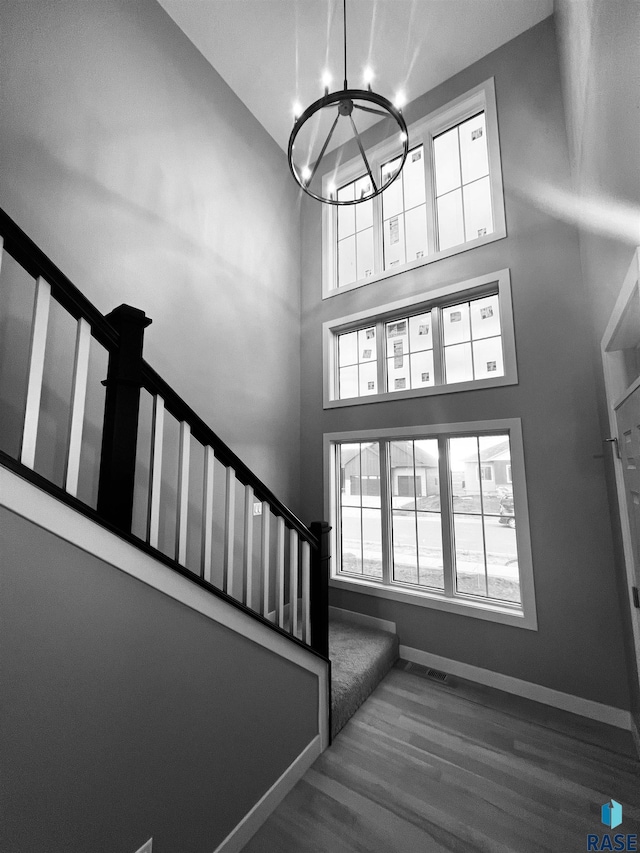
(127, 715)
(578, 648)
(128, 159)
(600, 65)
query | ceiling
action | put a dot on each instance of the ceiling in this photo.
(273, 52)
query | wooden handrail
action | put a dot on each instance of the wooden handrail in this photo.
(36, 263)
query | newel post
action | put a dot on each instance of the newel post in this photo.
(319, 587)
(122, 405)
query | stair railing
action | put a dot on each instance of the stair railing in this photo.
(126, 449)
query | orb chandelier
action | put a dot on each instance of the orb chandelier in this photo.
(338, 111)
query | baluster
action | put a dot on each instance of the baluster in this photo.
(293, 582)
(183, 493)
(207, 514)
(264, 557)
(78, 399)
(248, 546)
(229, 532)
(280, 571)
(36, 370)
(306, 592)
(156, 470)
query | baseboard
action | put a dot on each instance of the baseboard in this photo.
(635, 731)
(527, 689)
(362, 619)
(253, 820)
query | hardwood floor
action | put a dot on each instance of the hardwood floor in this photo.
(427, 767)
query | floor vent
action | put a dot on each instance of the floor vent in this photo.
(436, 675)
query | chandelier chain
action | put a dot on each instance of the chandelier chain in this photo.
(344, 28)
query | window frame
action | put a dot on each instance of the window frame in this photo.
(422, 132)
(523, 616)
(438, 297)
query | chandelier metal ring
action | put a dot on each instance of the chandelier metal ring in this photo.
(344, 99)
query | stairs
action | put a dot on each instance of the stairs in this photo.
(360, 656)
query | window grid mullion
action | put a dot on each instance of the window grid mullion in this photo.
(415, 511)
(382, 356)
(464, 219)
(446, 517)
(404, 215)
(484, 542)
(386, 519)
(360, 484)
(335, 368)
(430, 196)
(438, 346)
(338, 501)
(473, 360)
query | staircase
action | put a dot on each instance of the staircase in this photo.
(110, 465)
(130, 482)
(361, 656)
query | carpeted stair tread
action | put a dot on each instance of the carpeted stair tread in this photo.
(360, 658)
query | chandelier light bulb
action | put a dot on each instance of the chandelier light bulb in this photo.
(326, 81)
(403, 137)
(367, 75)
(297, 109)
(400, 100)
(306, 173)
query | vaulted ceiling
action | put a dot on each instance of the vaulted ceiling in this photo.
(273, 52)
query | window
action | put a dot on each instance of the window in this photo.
(355, 233)
(448, 197)
(357, 357)
(454, 338)
(463, 190)
(404, 213)
(409, 352)
(446, 528)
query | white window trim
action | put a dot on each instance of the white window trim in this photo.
(332, 328)
(482, 97)
(522, 617)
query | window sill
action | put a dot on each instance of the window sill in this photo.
(421, 262)
(472, 385)
(491, 612)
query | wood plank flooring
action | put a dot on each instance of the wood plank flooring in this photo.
(425, 767)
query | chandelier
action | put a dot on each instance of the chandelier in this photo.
(339, 111)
